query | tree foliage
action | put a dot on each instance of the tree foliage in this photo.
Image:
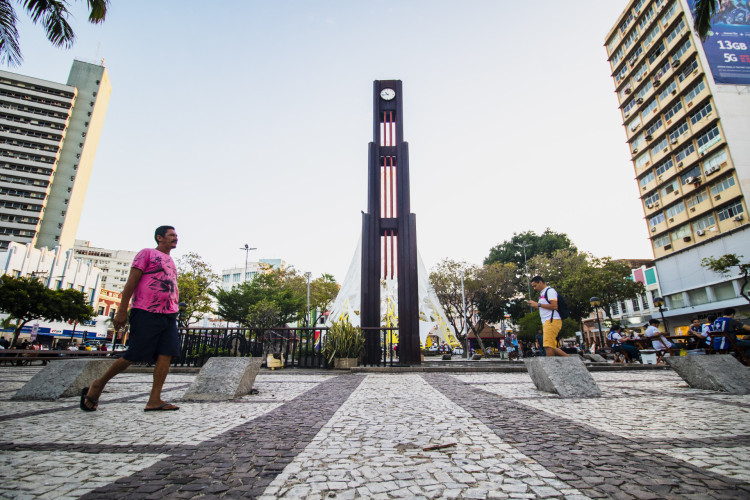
(445, 279)
(531, 323)
(724, 264)
(323, 291)
(512, 251)
(27, 298)
(273, 298)
(51, 14)
(195, 280)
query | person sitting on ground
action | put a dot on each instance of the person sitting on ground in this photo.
(727, 324)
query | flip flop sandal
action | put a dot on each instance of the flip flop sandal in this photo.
(84, 398)
(163, 408)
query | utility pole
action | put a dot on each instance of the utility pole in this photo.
(247, 249)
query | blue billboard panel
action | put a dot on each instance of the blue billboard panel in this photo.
(728, 44)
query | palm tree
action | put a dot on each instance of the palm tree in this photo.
(53, 15)
(704, 11)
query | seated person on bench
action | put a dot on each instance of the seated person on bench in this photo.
(659, 339)
(618, 342)
(727, 324)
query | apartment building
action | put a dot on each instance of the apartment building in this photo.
(687, 120)
(49, 133)
(115, 264)
(236, 275)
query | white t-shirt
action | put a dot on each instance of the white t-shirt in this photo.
(546, 314)
(660, 343)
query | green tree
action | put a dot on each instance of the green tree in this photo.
(724, 264)
(195, 280)
(531, 323)
(512, 251)
(52, 14)
(496, 286)
(445, 279)
(323, 292)
(612, 282)
(70, 306)
(275, 297)
(27, 298)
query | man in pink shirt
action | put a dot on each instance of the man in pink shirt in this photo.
(152, 285)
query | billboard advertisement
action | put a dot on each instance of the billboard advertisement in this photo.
(728, 44)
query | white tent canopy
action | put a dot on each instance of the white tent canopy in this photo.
(432, 320)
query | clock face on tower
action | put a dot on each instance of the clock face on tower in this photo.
(387, 94)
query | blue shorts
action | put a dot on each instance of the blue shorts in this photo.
(151, 335)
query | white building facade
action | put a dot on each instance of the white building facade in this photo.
(114, 264)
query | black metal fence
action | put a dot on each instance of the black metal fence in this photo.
(295, 347)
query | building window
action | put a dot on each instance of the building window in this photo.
(681, 232)
(709, 138)
(697, 198)
(236, 277)
(678, 130)
(670, 188)
(704, 222)
(674, 32)
(651, 199)
(724, 291)
(642, 160)
(687, 69)
(664, 166)
(730, 211)
(646, 179)
(694, 91)
(698, 296)
(722, 185)
(715, 161)
(656, 220)
(675, 209)
(615, 309)
(701, 113)
(649, 107)
(690, 175)
(676, 301)
(636, 306)
(666, 91)
(660, 146)
(654, 127)
(684, 152)
(673, 110)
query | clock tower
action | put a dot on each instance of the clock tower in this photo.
(389, 234)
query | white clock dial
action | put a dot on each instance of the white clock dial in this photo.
(387, 94)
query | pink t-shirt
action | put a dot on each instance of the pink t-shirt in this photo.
(156, 291)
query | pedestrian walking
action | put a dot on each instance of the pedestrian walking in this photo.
(547, 306)
(152, 285)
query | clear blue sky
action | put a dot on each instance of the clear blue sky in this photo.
(248, 122)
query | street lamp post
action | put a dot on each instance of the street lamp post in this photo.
(660, 302)
(595, 303)
(463, 304)
(247, 249)
(307, 317)
(526, 268)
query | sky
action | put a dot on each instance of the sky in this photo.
(248, 122)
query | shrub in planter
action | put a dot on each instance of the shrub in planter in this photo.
(343, 341)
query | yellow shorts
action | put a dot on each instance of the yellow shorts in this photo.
(551, 329)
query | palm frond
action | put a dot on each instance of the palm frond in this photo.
(10, 50)
(53, 16)
(704, 10)
(98, 10)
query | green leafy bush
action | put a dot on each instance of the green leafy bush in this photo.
(343, 341)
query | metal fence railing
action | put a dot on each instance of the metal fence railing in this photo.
(295, 347)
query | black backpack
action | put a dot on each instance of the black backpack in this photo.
(562, 307)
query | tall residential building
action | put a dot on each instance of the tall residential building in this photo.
(115, 264)
(48, 140)
(686, 113)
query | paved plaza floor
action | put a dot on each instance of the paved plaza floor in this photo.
(315, 434)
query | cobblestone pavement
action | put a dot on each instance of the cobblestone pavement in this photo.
(313, 434)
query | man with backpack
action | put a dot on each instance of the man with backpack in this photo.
(549, 314)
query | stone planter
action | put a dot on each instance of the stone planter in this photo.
(345, 363)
